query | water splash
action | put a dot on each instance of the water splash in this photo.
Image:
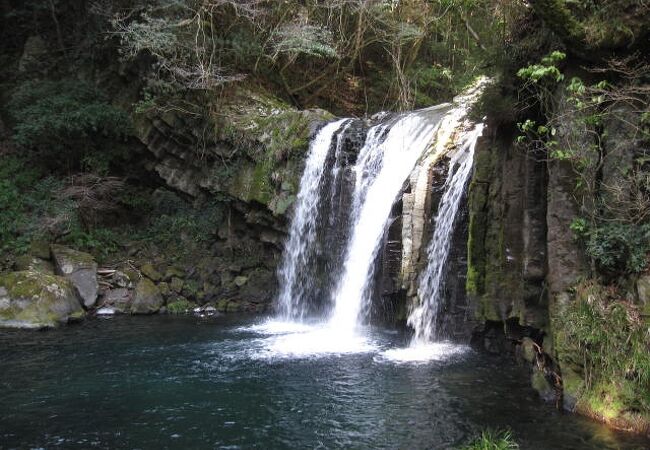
(424, 317)
(295, 284)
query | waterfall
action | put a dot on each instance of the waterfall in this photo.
(295, 281)
(383, 165)
(343, 213)
(424, 317)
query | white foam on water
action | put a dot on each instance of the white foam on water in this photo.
(284, 339)
(423, 353)
(274, 327)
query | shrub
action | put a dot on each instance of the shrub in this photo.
(616, 248)
(181, 306)
(604, 338)
(28, 204)
(66, 121)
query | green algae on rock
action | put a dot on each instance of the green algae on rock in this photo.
(30, 299)
(147, 298)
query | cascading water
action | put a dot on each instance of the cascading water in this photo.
(294, 284)
(423, 318)
(382, 167)
(342, 214)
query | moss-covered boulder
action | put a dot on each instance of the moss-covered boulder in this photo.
(147, 298)
(81, 269)
(149, 271)
(30, 299)
(33, 263)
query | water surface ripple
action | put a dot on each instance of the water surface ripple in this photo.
(170, 382)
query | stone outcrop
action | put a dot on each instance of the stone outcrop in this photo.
(81, 269)
(30, 299)
(257, 156)
(507, 233)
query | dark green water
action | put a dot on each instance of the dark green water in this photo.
(169, 382)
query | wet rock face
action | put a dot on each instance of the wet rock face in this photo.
(506, 245)
(30, 299)
(81, 269)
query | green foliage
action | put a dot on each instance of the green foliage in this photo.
(431, 82)
(30, 205)
(179, 306)
(546, 70)
(492, 440)
(604, 339)
(616, 248)
(312, 40)
(619, 247)
(579, 226)
(16, 198)
(66, 121)
(311, 51)
(100, 242)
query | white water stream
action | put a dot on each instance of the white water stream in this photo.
(381, 170)
(302, 232)
(389, 154)
(423, 318)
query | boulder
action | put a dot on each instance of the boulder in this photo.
(30, 299)
(176, 285)
(125, 279)
(81, 269)
(149, 271)
(147, 298)
(34, 264)
(542, 386)
(40, 249)
(174, 272)
(528, 349)
(118, 299)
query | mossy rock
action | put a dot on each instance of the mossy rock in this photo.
(34, 264)
(147, 298)
(643, 291)
(233, 307)
(222, 305)
(176, 285)
(30, 299)
(542, 386)
(149, 271)
(174, 272)
(81, 269)
(40, 249)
